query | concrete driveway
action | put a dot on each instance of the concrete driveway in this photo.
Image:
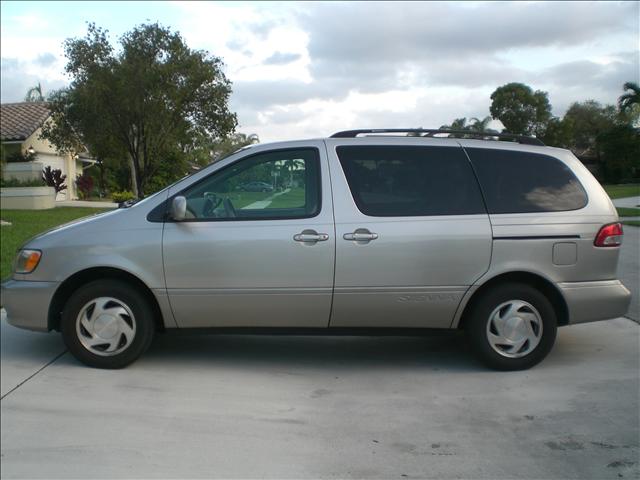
(296, 407)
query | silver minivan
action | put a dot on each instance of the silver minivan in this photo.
(368, 232)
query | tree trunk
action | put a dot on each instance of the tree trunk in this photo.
(101, 188)
(134, 176)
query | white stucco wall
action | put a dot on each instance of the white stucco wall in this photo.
(48, 156)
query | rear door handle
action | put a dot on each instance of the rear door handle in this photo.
(310, 236)
(360, 235)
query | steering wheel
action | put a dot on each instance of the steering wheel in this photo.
(229, 208)
(212, 201)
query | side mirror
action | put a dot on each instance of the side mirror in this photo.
(178, 210)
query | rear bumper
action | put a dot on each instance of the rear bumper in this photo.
(27, 303)
(593, 301)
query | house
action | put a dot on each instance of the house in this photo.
(24, 154)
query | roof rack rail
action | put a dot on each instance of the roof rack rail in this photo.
(425, 132)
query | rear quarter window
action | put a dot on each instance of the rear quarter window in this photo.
(397, 181)
(524, 182)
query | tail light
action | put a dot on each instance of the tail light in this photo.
(609, 236)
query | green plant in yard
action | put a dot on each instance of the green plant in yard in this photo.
(84, 183)
(25, 224)
(54, 178)
(14, 182)
(120, 197)
(633, 223)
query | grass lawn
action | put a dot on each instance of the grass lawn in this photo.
(28, 223)
(621, 191)
(633, 223)
(294, 198)
(628, 212)
(242, 199)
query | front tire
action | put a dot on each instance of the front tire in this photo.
(512, 327)
(107, 324)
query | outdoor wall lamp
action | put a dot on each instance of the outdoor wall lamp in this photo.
(31, 150)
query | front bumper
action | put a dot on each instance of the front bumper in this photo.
(593, 301)
(27, 303)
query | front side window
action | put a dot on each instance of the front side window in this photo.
(272, 185)
(524, 182)
(396, 181)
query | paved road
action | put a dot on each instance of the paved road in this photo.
(269, 407)
(629, 268)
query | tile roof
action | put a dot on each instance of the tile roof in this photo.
(19, 120)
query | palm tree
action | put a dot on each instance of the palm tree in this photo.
(627, 100)
(34, 94)
(478, 125)
(290, 166)
(457, 124)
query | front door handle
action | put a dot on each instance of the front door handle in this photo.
(310, 236)
(360, 235)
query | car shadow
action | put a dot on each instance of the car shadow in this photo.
(442, 351)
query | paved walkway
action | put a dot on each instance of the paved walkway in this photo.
(259, 205)
(83, 203)
(629, 202)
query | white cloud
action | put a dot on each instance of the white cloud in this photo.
(308, 69)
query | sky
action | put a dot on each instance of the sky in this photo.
(308, 69)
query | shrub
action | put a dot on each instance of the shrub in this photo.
(84, 183)
(14, 182)
(54, 178)
(21, 157)
(120, 197)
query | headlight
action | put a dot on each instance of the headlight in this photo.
(27, 261)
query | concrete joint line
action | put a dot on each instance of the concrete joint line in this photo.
(33, 374)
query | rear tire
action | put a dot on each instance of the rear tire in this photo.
(512, 327)
(107, 324)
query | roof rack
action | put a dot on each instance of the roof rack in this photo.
(425, 132)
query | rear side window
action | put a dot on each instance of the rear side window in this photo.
(523, 182)
(398, 181)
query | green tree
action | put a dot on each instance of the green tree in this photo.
(630, 99)
(620, 150)
(480, 125)
(587, 121)
(629, 103)
(224, 147)
(34, 94)
(558, 133)
(521, 110)
(143, 102)
(457, 124)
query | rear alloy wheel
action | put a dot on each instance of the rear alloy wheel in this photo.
(512, 327)
(107, 324)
